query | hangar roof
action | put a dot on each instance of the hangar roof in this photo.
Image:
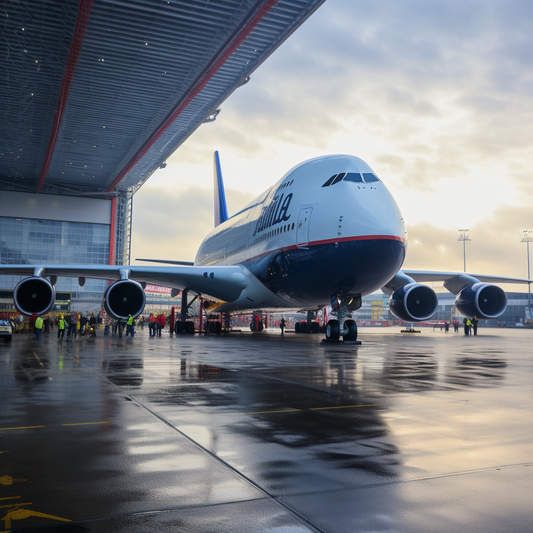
(96, 94)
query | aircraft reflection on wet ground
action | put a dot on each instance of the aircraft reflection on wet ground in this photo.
(266, 433)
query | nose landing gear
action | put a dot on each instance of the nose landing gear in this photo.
(341, 306)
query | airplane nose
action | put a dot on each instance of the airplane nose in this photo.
(374, 213)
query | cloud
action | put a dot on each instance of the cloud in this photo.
(441, 85)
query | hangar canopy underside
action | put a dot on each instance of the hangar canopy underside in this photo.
(96, 94)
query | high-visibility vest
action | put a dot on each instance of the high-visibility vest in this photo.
(61, 324)
(39, 323)
(130, 321)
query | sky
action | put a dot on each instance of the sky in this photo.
(437, 97)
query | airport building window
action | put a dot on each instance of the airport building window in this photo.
(30, 241)
(353, 176)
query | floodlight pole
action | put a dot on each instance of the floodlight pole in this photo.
(528, 237)
(464, 237)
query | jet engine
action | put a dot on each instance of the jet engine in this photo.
(123, 298)
(34, 295)
(413, 302)
(482, 300)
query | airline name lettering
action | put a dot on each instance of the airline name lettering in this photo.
(274, 213)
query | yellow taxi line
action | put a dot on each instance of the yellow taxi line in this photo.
(39, 427)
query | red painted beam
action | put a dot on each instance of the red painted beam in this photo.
(82, 20)
(112, 232)
(200, 84)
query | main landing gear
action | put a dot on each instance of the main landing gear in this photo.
(341, 306)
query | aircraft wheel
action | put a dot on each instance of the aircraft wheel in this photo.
(297, 327)
(333, 330)
(218, 328)
(351, 326)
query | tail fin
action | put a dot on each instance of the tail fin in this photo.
(221, 209)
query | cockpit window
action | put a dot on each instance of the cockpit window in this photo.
(369, 177)
(328, 183)
(338, 178)
(354, 176)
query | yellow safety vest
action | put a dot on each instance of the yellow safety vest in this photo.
(61, 324)
(39, 323)
(130, 321)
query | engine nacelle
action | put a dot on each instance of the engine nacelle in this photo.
(413, 302)
(481, 300)
(34, 295)
(124, 298)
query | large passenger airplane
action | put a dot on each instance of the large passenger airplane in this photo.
(327, 233)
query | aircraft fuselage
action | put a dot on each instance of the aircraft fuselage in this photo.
(309, 236)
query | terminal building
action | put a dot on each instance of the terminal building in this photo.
(95, 97)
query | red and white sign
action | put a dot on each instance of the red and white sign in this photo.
(157, 289)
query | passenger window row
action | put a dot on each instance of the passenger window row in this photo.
(366, 177)
(273, 232)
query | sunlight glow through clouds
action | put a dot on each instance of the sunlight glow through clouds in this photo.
(436, 97)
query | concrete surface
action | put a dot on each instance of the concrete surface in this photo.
(404, 433)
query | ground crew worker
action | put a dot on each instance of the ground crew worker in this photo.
(61, 327)
(474, 324)
(129, 325)
(160, 321)
(38, 327)
(468, 326)
(151, 325)
(282, 325)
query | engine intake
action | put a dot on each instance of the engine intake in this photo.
(482, 300)
(124, 298)
(413, 302)
(34, 295)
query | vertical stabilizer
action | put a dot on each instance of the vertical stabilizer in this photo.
(221, 209)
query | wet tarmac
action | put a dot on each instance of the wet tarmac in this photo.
(404, 433)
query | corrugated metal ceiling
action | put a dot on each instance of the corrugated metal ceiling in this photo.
(144, 66)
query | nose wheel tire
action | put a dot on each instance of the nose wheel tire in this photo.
(351, 326)
(333, 330)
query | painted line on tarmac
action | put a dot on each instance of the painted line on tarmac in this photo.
(268, 412)
(62, 425)
(313, 409)
(22, 427)
(36, 356)
(85, 424)
(344, 406)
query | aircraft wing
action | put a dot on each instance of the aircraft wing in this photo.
(425, 276)
(222, 282)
